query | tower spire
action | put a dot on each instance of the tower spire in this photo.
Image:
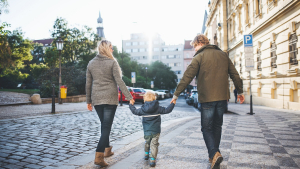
(100, 27)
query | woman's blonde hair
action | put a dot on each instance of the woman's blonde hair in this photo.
(199, 39)
(104, 47)
(149, 96)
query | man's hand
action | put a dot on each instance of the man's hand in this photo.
(173, 101)
(89, 107)
(131, 101)
(241, 98)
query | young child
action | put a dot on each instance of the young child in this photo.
(151, 112)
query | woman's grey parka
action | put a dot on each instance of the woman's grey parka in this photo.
(102, 80)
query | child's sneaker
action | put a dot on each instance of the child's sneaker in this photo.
(146, 156)
(152, 162)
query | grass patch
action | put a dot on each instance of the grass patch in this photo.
(26, 91)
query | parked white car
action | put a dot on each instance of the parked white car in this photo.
(167, 93)
(160, 95)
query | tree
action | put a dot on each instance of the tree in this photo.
(3, 6)
(79, 45)
(13, 49)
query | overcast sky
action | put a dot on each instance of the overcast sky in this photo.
(175, 21)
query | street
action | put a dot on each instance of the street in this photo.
(40, 141)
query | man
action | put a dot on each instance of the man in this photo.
(211, 66)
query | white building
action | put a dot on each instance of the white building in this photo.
(146, 49)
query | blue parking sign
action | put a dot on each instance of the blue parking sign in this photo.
(248, 40)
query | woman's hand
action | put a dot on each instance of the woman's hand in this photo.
(131, 101)
(89, 107)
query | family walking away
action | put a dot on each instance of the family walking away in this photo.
(151, 112)
(210, 65)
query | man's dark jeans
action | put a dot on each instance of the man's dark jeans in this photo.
(106, 115)
(211, 124)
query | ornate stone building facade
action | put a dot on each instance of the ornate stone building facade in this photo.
(275, 26)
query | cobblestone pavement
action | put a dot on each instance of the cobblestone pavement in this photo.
(43, 141)
(270, 139)
(13, 97)
(10, 112)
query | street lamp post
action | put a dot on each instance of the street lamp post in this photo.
(146, 77)
(59, 46)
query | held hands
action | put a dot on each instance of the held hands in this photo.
(173, 101)
(131, 101)
(89, 107)
(241, 98)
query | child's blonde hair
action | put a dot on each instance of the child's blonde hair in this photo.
(149, 96)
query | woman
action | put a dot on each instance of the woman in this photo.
(103, 74)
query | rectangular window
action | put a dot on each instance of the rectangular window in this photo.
(155, 57)
(171, 56)
(179, 49)
(177, 56)
(177, 64)
(187, 56)
(142, 43)
(273, 55)
(163, 57)
(142, 50)
(134, 43)
(156, 49)
(144, 57)
(128, 50)
(137, 57)
(134, 50)
(293, 49)
(259, 60)
(165, 49)
(170, 64)
(128, 43)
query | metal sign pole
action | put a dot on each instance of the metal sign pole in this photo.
(249, 63)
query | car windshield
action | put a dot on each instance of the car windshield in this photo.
(137, 90)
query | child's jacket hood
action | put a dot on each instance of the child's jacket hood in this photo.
(150, 107)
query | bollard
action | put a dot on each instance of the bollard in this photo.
(53, 98)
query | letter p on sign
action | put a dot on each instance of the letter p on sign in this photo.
(248, 40)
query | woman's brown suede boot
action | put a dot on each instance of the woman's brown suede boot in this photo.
(99, 159)
(108, 152)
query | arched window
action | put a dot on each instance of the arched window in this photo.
(293, 49)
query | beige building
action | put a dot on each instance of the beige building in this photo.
(275, 26)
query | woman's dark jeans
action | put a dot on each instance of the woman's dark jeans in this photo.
(106, 115)
(211, 124)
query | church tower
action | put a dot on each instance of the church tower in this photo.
(100, 27)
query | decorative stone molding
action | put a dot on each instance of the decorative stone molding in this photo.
(259, 75)
(273, 74)
(273, 85)
(273, 37)
(292, 27)
(294, 85)
(258, 44)
(293, 71)
(259, 85)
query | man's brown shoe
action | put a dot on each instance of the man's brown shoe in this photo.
(216, 160)
(108, 152)
(99, 159)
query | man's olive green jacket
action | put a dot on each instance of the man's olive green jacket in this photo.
(211, 66)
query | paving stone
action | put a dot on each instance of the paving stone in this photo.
(34, 166)
(31, 160)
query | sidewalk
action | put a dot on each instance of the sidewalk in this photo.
(269, 139)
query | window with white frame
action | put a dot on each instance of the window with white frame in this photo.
(128, 50)
(259, 60)
(293, 49)
(170, 64)
(142, 43)
(137, 57)
(128, 43)
(177, 64)
(155, 57)
(156, 49)
(273, 55)
(144, 57)
(171, 56)
(179, 49)
(134, 50)
(165, 49)
(177, 56)
(142, 50)
(187, 55)
(163, 57)
(134, 43)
